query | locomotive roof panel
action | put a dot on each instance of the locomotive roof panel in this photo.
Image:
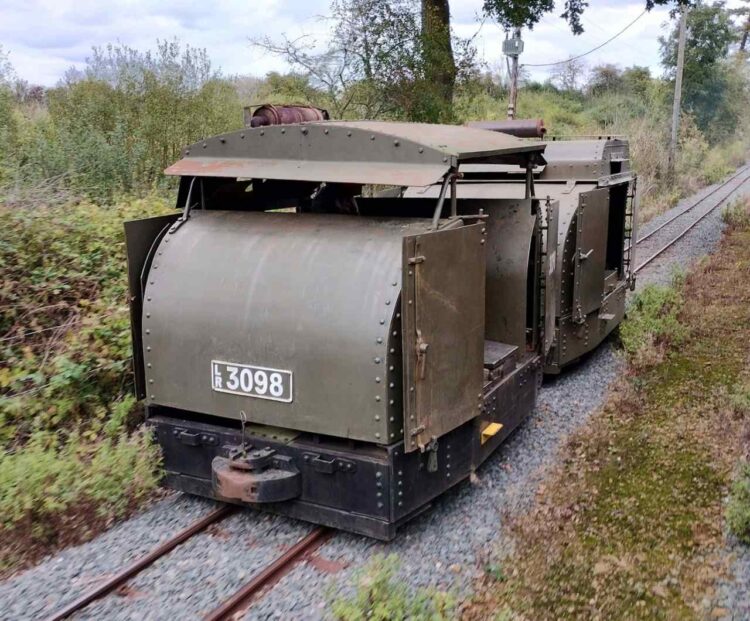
(484, 191)
(359, 152)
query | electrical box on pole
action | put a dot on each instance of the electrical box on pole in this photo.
(513, 47)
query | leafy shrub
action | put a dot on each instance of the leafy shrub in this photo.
(737, 214)
(738, 508)
(652, 319)
(8, 131)
(71, 459)
(53, 476)
(380, 596)
(115, 126)
(64, 320)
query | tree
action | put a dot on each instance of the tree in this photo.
(7, 74)
(605, 78)
(706, 77)
(744, 29)
(120, 121)
(374, 47)
(527, 13)
(379, 62)
(438, 49)
(568, 76)
(8, 125)
(637, 80)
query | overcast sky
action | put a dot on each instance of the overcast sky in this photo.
(46, 37)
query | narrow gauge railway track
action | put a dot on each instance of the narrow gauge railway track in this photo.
(242, 598)
(270, 574)
(695, 222)
(722, 185)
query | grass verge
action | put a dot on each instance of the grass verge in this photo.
(380, 596)
(631, 524)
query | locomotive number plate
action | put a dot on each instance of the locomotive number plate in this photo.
(250, 381)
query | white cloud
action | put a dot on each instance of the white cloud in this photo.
(45, 37)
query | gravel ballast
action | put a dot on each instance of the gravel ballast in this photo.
(444, 548)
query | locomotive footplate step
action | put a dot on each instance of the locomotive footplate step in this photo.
(496, 354)
(499, 360)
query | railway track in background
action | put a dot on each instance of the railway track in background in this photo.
(743, 175)
(237, 602)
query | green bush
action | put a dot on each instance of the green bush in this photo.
(380, 596)
(53, 475)
(737, 214)
(8, 133)
(116, 126)
(738, 508)
(64, 319)
(71, 457)
(653, 319)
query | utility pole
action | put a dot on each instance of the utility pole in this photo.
(677, 93)
(745, 33)
(513, 48)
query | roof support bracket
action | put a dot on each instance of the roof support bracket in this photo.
(449, 179)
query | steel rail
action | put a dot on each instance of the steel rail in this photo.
(270, 574)
(686, 230)
(696, 203)
(143, 562)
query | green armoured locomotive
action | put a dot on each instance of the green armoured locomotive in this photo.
(336, 327)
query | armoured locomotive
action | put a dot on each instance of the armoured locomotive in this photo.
(345, 319)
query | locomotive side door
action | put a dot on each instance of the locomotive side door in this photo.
(442, 331)
(592, 217)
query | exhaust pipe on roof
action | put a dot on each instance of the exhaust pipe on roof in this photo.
(521, 128)
(268, 114)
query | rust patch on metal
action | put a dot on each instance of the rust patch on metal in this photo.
(238, 480)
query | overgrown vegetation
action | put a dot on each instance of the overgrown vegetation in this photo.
(631, 525)
(380, 596)
(738, 508)
(653, 325)
(71, 456)
(115, 126)
(737, 214)
(62, 488)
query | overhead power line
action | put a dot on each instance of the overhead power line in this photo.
(598, 47)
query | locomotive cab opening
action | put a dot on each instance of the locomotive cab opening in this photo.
(592, 189)
(313, 345)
